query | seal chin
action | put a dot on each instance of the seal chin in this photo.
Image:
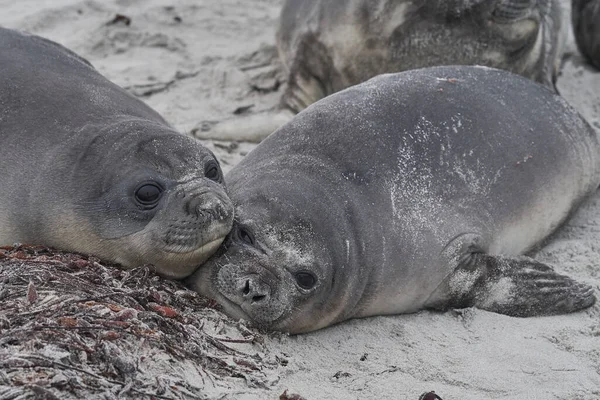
(237, 311)
(246, 312)
(198, 250)
(185, 263)
(138, 250)
(181, 264)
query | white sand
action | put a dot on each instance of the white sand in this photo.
(196, 70)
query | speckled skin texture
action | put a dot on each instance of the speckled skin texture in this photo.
(74, 150)
(585, 16)
(327, 46)
(399, 194)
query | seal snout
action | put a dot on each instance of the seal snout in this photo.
(253, 289)
(208, 205)
(195, 220)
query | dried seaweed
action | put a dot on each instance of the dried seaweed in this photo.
(71, 327)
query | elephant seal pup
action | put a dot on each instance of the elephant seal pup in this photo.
(88, 168)
(327, 46)
(585, 16)
(411, 191)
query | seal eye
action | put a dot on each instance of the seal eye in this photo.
(245, 235)
(305, 280)
(148, 194)
(211, 171)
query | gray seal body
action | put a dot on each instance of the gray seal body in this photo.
(326, 46)
(86, 167)
(410, 191)
(585, 16)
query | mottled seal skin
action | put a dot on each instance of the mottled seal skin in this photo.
(327, 46)
(416, 190)
(86, 167)
(585, 16)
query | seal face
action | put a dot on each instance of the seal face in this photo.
(328, 46)
(410, 191)
(585, 15)
(88, 168)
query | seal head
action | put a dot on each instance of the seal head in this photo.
(276, 267)
(161, 200)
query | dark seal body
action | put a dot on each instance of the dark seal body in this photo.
(585, 16)
(86, 167)
(411, 191)
(327, 46)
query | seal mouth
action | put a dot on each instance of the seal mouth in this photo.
(235, 311)
(232, 308)
(192, 250)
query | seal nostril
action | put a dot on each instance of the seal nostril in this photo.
(202, 212)
(253, 291)
(221, 212)
(258, 298)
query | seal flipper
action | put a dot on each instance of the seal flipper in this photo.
(519, 287)
(312, 75)
(252, 128)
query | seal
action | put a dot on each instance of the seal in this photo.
(585, 16)
(411, 191)
(88, 168)
(327, 46)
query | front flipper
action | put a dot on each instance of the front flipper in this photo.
(312, 74)
(520, 287)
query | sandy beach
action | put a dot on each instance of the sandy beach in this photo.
(201, 61)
